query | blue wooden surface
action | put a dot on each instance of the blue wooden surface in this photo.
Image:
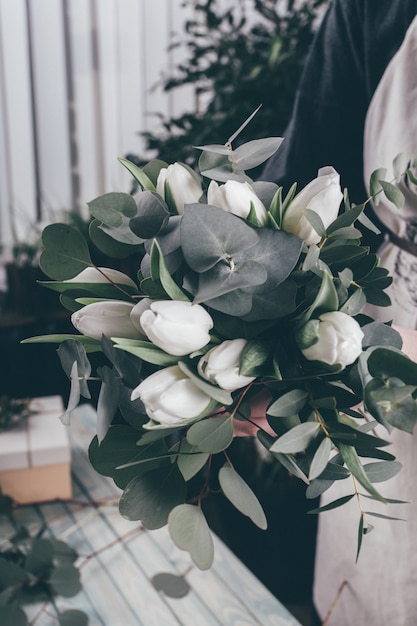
(117, 581)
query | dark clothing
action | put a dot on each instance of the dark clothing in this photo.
(355, 42)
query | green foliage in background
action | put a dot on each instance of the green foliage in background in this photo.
(235, 64)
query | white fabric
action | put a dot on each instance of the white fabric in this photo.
(381, 588)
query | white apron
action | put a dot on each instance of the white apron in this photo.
(381, 588)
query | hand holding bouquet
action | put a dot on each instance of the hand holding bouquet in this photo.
(239, 293)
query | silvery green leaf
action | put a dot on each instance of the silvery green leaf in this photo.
(111, 207)
(378, 334)
(382, 470)
(117, 242)
(253, 153)
(354, 304)
(333, 505)
(346, 277)
(71, 351)
(399, 165)
(320, 458)
(265, 191)
(380, 515)
(210, 235)
(211, 435)
(316, 222)
(65, 252)
(190, 460)
(151, 217)
(365, 221)
(151, 496)
(189, 531)
(352, 461)
(311, 257)
(297, 439)
(107, 402)
(326, 299)
(346, 219)
(288, 404)
(392, 193)
(73, 617)
(348, 232)
(12, 614)
(241, 496)
(145, 350)
(375, 183)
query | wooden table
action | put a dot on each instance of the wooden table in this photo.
(119, 588)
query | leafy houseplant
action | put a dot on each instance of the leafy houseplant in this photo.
(234, 64)
(247, 317)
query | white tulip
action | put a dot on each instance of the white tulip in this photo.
(171, 398)
(183, 188)
(176, 326)
(322, 195)
(102, 275)
(237, 198)
(336, 338)
(109, 317)
(220, 365)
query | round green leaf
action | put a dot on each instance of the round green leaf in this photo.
(73, 617)
(152, 496)
(111, 207)
(12, 615)
(66, 252)
(65, 580)
(189, 531)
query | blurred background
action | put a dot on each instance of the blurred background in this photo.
(83, 82)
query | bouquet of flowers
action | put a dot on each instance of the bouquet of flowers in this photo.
(246, 315)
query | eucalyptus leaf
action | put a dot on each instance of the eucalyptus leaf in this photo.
(190, 460)
(189, 531)
(147, 351)
(332, 505)
(211, 435)
(12, 615)
(320, 458)
(65, 580)
(352, 461)
(111, 207)
(241, 495)
(73, 617)
(118, 242)
(297, 439)
(151, 496)
(152, 215)
(288, 404)
(71, 351)
(392, 193)
(107, 402)
(381, 471)
(375, 184)
(65, 252)
(253, 153)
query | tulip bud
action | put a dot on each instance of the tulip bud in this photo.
(171, 398)
(109, 317)
(335, 338)
(176, 326)
(237, 198)
(220, 365)
(323, 196)
(102, 275)
(178, 187)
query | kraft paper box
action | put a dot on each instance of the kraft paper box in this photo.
(35, 456)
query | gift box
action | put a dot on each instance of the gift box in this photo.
(35, 455)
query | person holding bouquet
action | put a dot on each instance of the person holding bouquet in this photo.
(356, 108)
